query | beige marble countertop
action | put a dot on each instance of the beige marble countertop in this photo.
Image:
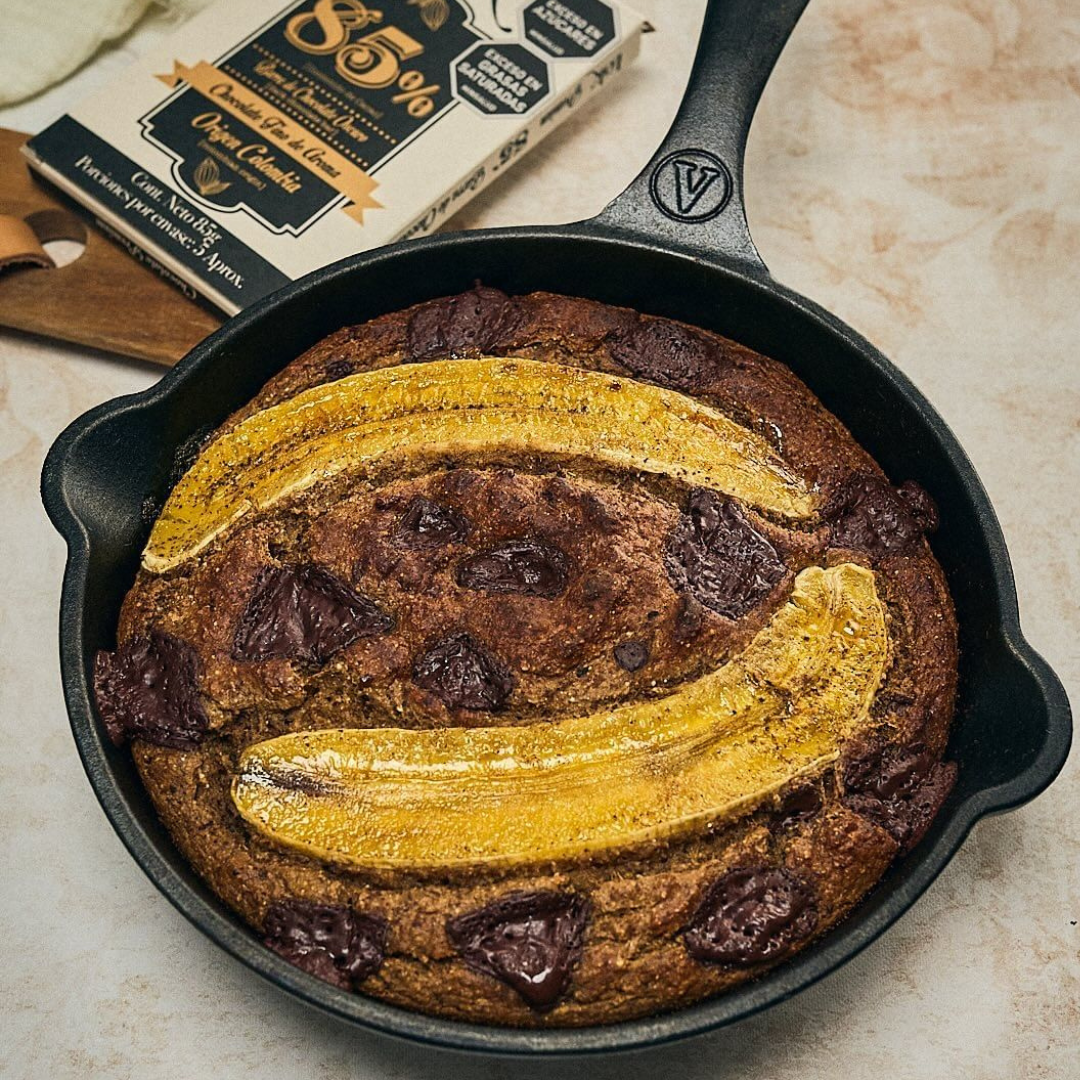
(915, 167)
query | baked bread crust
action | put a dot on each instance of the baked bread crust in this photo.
(622, 937)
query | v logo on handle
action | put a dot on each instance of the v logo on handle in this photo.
(692, 180)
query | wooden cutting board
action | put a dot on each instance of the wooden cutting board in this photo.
(105, 298)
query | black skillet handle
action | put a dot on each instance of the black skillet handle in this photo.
(690, 196)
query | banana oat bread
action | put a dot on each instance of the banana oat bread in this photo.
(535, 662)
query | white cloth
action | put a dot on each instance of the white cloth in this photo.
(42, 43)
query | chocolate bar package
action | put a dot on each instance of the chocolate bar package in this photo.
(266, 139)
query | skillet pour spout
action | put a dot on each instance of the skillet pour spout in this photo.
(674, 244)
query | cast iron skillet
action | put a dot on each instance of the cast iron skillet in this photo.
(681, 252)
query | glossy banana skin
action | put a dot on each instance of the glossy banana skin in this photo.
(436, 800)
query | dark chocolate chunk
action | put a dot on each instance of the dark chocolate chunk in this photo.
(428, 524)
(304, 612)
(667, 353)
(718, 556)
(338, 368)
(463, 674)
(531, 941)
(148, 689)
(799, 804)
(631, 655)
(866, 514)
(899, 788)
(468, 324)
(336, 944)
(524, 567)
(751, 914)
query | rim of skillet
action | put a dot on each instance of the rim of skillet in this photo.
(869, 920)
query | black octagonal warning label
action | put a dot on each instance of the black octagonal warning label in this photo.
(501, 80)
(569, 28)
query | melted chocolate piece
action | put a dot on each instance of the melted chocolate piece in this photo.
(751, 914)
(523, 567)
(463, 674)
(428, 524)
(799, 804)
(304, 612)
(866, 514)
(469, 324)
(336, 944)
(531, 941)
(899, 788)
(668, 354)
(631, 655)
(148, 689)
(718, 556)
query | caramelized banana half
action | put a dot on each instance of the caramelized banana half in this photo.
(390, 798)
(378, 419)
